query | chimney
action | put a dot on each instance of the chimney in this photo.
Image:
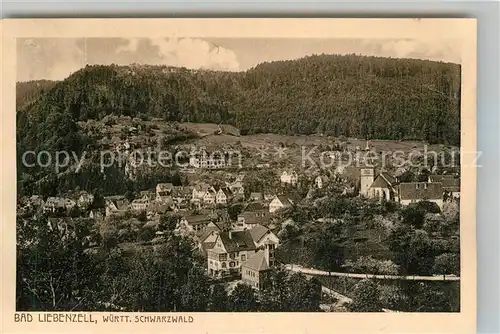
(230, 234)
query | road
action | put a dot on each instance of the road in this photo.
(312, 271)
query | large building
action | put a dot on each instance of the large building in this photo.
(414, 192)
(231, 249)
(382, 186)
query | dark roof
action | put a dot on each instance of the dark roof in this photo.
(252, 217)
(207, 231)
(448, 181)
(114, 197)
(258, 232)
(388, 177)
(202, 186)
(293, 196)
(383, 180)
(206, 246)
(257, 262)
(284, 200)
(239, 241)
(181, 191)
(225, 190)
(255, 206)
(197, 219)
(420, 191)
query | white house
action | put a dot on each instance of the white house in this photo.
(140, 204)
(321, 181)
(289, 177)
(231, 249)
(278, 203)
(54, 203)
(209, 196)
(200, 190)
(222, 196)
(85, 200)
(236, 188)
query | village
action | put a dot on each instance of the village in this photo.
(239, 245)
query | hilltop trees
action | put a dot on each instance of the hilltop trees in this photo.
(335, 95)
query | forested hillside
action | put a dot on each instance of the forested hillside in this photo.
(353, 96)
(29, 91)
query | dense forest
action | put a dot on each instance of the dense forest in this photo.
(353, 96)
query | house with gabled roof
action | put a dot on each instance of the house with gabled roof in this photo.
(207, 237)
(200, 189)
(321, 181)
(256, 196)
(253, 270)
(195, 222)
(289, 177)
(116, 205)
(280, 202)
(223, 195)
(253, 214)
(414, 192)
(261, 236)
(140, 204)
(210, 196)
(231, 249)
(164, 192)
(236, 187)
(85, 200)
(58, 203)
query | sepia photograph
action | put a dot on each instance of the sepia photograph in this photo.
(158, 177)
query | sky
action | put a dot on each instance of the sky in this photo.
(57, 58)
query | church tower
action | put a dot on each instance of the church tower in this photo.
(367, 178)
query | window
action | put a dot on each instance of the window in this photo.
(223, 265)
(222, 257)
(232, 255)
(243, 257)
(231, 264)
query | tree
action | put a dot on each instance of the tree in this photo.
(369, 265)
(330, 250)
(366, 297)
(243, 299)
(413, 216)
(447, 263)
(219, 300)
(146, 234)
(168, 222)
(53, 270)
(305, 295)
(194, 292)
